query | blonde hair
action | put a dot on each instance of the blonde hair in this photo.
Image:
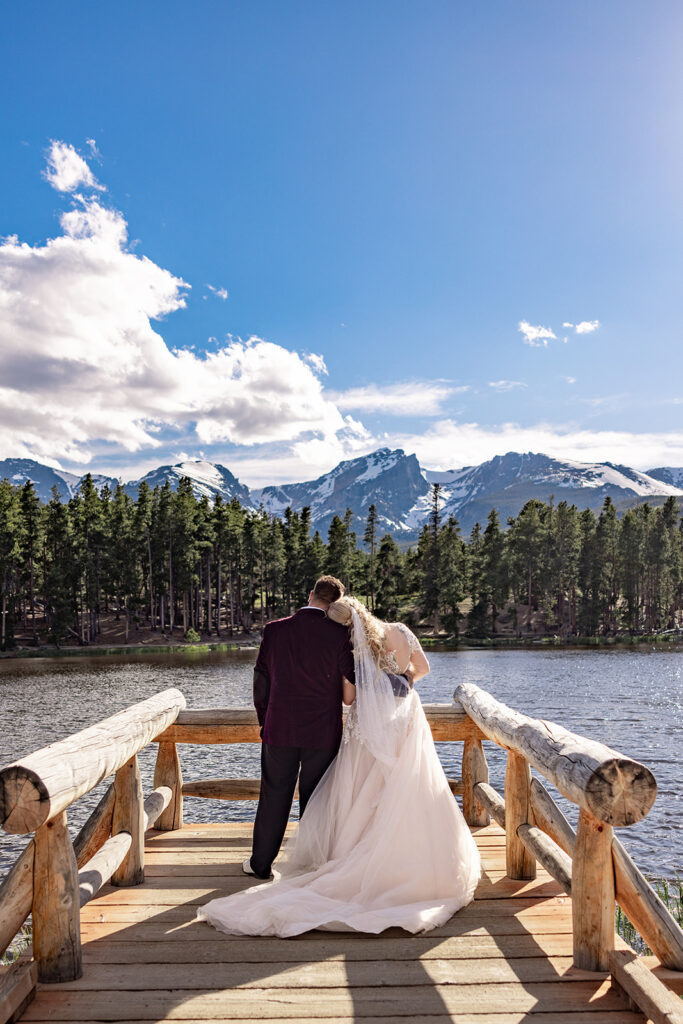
(341, 611)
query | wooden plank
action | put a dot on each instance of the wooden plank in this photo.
(672, 979)
(203, 946)
(17, 988)
(197, 889)
(148, 977)
(274, 1003)
(648, 993)
(619, 1016)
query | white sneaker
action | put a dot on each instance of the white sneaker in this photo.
(247, 869)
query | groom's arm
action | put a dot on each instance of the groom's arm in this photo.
(262, 681)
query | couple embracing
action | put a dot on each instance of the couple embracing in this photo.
(381, 841)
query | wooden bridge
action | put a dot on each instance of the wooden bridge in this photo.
(113, 913)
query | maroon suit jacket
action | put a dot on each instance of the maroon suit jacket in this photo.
(298, 680)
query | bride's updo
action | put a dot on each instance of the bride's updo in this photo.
(341, 611)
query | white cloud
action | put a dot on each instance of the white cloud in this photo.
(567, 324)
(450, 445)
(222, 293)
(587, 326)
(536, 336)
(570, 380)
(408, 398)
(80, 360)
(317, 362)
(506, 385)
(67, 170)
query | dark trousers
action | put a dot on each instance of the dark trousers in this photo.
(280, 767)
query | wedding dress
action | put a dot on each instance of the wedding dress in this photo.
(382, 843)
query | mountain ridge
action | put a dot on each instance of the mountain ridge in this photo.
(396, 484)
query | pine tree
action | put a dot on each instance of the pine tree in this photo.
(370, 539)
(494, 570)
(453, 571)
(390, 578)
(30, 542)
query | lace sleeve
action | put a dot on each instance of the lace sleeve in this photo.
(413, 642)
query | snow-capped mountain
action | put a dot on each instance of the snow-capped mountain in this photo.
(672, 475)
(390, 480)
(44, 478)
(506, 482)
(208, 480)
(399, 488)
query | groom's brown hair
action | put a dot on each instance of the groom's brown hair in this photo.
(328, 588)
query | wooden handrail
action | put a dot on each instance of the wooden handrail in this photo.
(240, 725)
(613, 788)
(38, 787)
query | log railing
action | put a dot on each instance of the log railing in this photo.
(591, 864)
(53, 878)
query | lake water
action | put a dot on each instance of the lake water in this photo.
(633, 701)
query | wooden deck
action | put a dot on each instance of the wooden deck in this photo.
(504, 959)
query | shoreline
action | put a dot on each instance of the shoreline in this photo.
(446, 643)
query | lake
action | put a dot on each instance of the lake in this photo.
(631, 700)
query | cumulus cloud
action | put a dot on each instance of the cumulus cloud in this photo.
(66, 170)
(587, 326)
(506, 385)
(584, 327)
(222, 293)
(81, 360)
(536, 336)
(409, 398)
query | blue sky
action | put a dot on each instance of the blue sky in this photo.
(393, 187)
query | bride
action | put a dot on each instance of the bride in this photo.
(383, 842)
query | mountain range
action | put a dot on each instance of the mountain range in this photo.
(397, 485)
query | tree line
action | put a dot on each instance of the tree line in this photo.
(170, 562)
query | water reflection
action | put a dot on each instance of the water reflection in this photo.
(630, 700)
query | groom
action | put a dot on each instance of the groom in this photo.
(298, 680)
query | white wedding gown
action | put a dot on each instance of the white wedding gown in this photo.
(382, 843)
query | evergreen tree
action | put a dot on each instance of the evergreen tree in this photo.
(370, 539)
(390, 578)
(494, 585)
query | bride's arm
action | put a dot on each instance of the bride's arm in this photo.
(419, 665)
(349, 692)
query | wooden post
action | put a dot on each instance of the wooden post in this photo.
(56, 912)
(520, 862)
(592, 894)
(168, 773)
(129, 817)
(474, 770)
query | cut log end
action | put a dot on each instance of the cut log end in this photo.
(621, 792)
(24, 800)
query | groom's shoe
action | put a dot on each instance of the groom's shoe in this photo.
(248, 870)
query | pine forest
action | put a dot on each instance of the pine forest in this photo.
(170, 565)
